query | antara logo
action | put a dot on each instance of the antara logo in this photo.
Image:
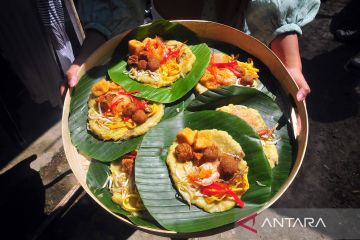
(282, 222)
(243, 221)
(294, 222)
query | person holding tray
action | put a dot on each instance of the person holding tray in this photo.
(275, 23)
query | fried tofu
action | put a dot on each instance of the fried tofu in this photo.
(186, 136)
(203, 140)
(135, 47)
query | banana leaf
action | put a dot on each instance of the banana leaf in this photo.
(155, 185)
(96, 178)
(271, 113)
(267, 83)
(164, 94)
(168, 31)
(264, 73)
(160, 27)
(86, 142)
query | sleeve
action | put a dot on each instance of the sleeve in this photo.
(111, 17)
(266, 19)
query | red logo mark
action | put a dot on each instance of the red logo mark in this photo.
(243, 221)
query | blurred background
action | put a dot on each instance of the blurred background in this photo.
(41, 198)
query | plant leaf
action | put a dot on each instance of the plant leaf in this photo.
(165, 94)
(156, 188)
(81, 138)
(87, 143)
(96, 177)
(271, 113)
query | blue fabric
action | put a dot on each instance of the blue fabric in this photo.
(111, 17)
(265, 19)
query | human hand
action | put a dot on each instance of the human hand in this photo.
(71, 78)
(299, 78)
(286, 47)
(92, 41)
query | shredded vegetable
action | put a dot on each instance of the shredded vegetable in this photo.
(220, 189)
(123, 187)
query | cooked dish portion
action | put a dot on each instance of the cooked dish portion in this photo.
(122, 184)
(115, 114)
(208, 169)
(159, 63)
(255, 120)
(225, 70)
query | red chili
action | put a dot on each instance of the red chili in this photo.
(236, 73)
(134, 99)
(169, 53)
(126, 119)
(217, 188)
(225, 65)
(263, 132)
(131, 155)
(112, 107)
(229, 65)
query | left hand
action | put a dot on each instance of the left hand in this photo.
(286, 47)
(304, 88)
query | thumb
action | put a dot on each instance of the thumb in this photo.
(301, 94)
(73, 81)
(71, 75)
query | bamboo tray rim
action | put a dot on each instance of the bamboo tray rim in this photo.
(206, 29)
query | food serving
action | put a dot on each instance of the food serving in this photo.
(122, 184)
(115, 114)
(208, 169)
(159, 63)
(224, 70)
(255, 120)
(167, 213)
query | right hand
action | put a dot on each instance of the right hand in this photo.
(92, 41)
(71, 77)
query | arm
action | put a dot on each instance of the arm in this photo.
(278, 24)
(102, 20)
(286, 47)
(92, 41)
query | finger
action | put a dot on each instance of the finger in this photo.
(63, 88)
(71, 75)
(73, 81)
(298, 122)
(302, 93)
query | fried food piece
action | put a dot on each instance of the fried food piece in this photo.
(153, 64)
(142, 64)
(247, 81)
(127, 165)
(115, 87)
(139, 116)
(130, 109)
(228, 166)
(143, 55)
(197, 156)
(240, 69)
(133, 60)
(186, 136)
(104, 106)
(211, 154)
(135, 46)
(203, 140)
(100, 88)
(123, 102)
(183, 152)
